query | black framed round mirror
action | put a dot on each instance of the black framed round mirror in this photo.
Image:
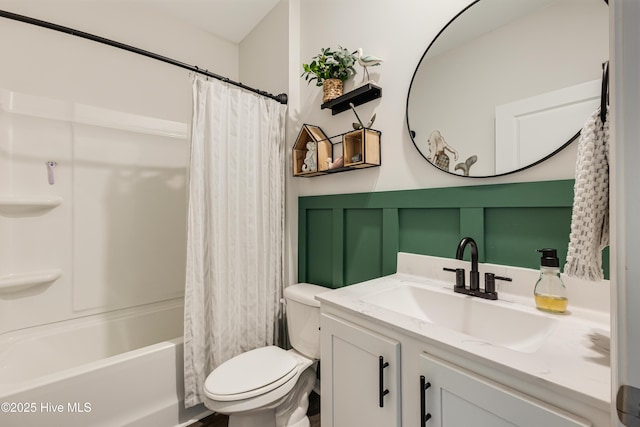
(507, 84)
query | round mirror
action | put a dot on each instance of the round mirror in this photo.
(507, 84)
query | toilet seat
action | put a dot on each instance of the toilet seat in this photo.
(251, 374)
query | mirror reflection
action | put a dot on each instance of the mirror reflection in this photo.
(506, 84)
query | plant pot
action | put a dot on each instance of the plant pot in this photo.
(332, 89)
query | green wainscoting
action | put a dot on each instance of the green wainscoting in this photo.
(348, 238)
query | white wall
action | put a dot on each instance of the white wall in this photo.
(88, 72)
(270, 60)
(398, 32)
(119, 234)
(263, 52)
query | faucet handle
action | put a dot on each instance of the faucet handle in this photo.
(460, 280)
(490, 282)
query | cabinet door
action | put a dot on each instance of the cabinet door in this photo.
(360, 376)
(459, 398)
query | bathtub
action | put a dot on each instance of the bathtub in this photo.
(123, 368)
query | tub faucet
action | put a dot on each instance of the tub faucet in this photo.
(474, 275)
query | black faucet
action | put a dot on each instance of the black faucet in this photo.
(489, 291)
(474, 275)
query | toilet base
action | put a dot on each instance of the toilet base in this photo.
(291, 411)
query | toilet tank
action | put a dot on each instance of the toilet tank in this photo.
(303, 318)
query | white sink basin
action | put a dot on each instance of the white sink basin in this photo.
(491, 321)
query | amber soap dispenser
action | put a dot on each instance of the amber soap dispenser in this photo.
(550, 293)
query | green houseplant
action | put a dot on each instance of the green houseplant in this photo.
(329, 69)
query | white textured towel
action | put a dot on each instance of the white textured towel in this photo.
(590, 217)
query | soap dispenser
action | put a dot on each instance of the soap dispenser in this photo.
(550, 293)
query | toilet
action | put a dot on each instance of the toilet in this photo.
(269, 386)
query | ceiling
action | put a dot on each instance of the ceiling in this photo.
(229, 19)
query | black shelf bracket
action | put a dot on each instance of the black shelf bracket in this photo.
(358, 96)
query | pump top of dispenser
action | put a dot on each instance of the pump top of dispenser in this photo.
(549, 257)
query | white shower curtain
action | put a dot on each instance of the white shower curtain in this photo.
(235, 233)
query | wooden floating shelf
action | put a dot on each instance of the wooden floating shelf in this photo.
(17, 205)
(362, 143)
(314, 136)
(21, 282)
(358, 96)
(360, 150)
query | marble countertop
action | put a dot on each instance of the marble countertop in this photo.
(574, 356)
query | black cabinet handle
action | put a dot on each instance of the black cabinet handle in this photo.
(382, 391)
(424, 416)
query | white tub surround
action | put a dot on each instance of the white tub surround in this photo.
(101, 370)
(557, 360)
(20, 282)
(33, 205)
(85, 236)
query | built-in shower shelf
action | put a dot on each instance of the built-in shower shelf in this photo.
(20, 282)
(18, 205)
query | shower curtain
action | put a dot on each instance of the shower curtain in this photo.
(235, 235)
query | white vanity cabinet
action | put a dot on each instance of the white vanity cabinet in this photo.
(460, 393)
(449, 396)
(488, 363)
(360, 376)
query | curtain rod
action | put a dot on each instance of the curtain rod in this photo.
(282, 98)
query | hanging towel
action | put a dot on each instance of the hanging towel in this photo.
(590, 217)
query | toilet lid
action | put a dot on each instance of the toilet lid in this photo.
(251, 371)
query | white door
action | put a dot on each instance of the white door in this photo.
(625, 211)
(360, 376)
(531, 129)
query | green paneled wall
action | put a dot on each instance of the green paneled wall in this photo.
(349, 238)
(362, 244)
(319, 243)
(523, 230)
(429, 231)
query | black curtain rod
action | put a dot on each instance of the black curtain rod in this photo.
(282, 98)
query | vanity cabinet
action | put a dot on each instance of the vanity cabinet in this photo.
(360, 376)
(459, 391)
(451, 396)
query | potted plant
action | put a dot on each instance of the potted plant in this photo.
(329, 69)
